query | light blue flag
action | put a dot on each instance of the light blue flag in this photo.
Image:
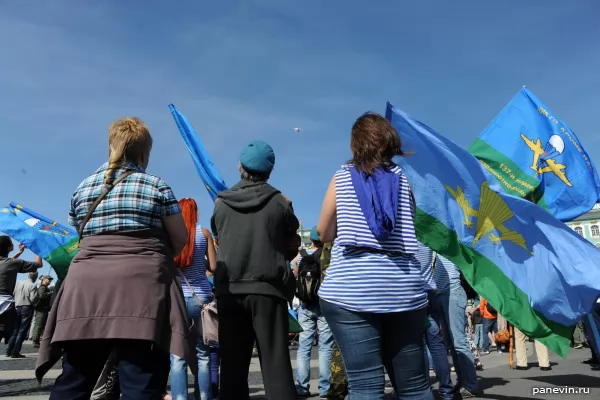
(534, 155)
(539, 274)
(206, 168)
(55, 243)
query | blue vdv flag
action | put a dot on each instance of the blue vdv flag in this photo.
(206, 167)
(537, 272)
(534, 155)
(55, 243)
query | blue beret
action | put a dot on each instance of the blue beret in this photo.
(257, 157)
(314, 236)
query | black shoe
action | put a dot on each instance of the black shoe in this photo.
(465, 394)
(18, 355)
(590, 361)
(521, 368)
(545, 369)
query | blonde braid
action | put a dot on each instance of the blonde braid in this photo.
(115, 160)
(109, 174)
(128, 140)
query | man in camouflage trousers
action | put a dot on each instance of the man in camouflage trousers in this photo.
(339, 382)
(41, 304)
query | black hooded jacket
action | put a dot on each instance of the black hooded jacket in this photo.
(256, 232)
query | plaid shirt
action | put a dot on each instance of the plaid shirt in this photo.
(138, 202)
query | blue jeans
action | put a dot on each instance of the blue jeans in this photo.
(429, 358)
(591, 322)
(489, 325)
(478, 339)
(24, 317)
(178, 375)
(370, 342)
(439, 357)
(450, 311)
(311, 320)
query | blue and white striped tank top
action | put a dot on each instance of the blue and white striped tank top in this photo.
(196, 273)
(384, 277)
(425, 258)
(447, 275)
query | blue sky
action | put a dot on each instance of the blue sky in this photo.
(242, 70)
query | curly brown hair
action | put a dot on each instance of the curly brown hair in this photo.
(374, 143)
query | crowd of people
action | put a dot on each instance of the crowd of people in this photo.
(134, 312)
(24, 304)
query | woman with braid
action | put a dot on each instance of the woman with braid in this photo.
(120, 294)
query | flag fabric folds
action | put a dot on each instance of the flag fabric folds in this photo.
(538, 273)
(48, 239)
(534, 155)
(206, 167)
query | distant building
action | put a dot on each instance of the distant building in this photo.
(304, 235)
(588, 225)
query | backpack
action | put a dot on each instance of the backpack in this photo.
(490, 309)
(308, 281)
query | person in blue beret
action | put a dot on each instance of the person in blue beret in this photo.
(255, 230)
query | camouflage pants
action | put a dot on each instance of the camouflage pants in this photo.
(40, 323)
(339, 382)
(578, 335)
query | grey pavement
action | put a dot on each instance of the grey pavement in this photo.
(497, 380)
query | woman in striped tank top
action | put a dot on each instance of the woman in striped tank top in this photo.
(197, 291)
(373, 294)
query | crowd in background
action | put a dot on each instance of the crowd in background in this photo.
(142, 295)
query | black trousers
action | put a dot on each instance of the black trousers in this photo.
(242, 320)
(141, 369)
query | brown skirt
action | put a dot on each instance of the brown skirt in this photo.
(119, 286)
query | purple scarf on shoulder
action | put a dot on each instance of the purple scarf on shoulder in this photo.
(377, 196)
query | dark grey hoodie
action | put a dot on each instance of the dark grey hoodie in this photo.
(255, 227)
